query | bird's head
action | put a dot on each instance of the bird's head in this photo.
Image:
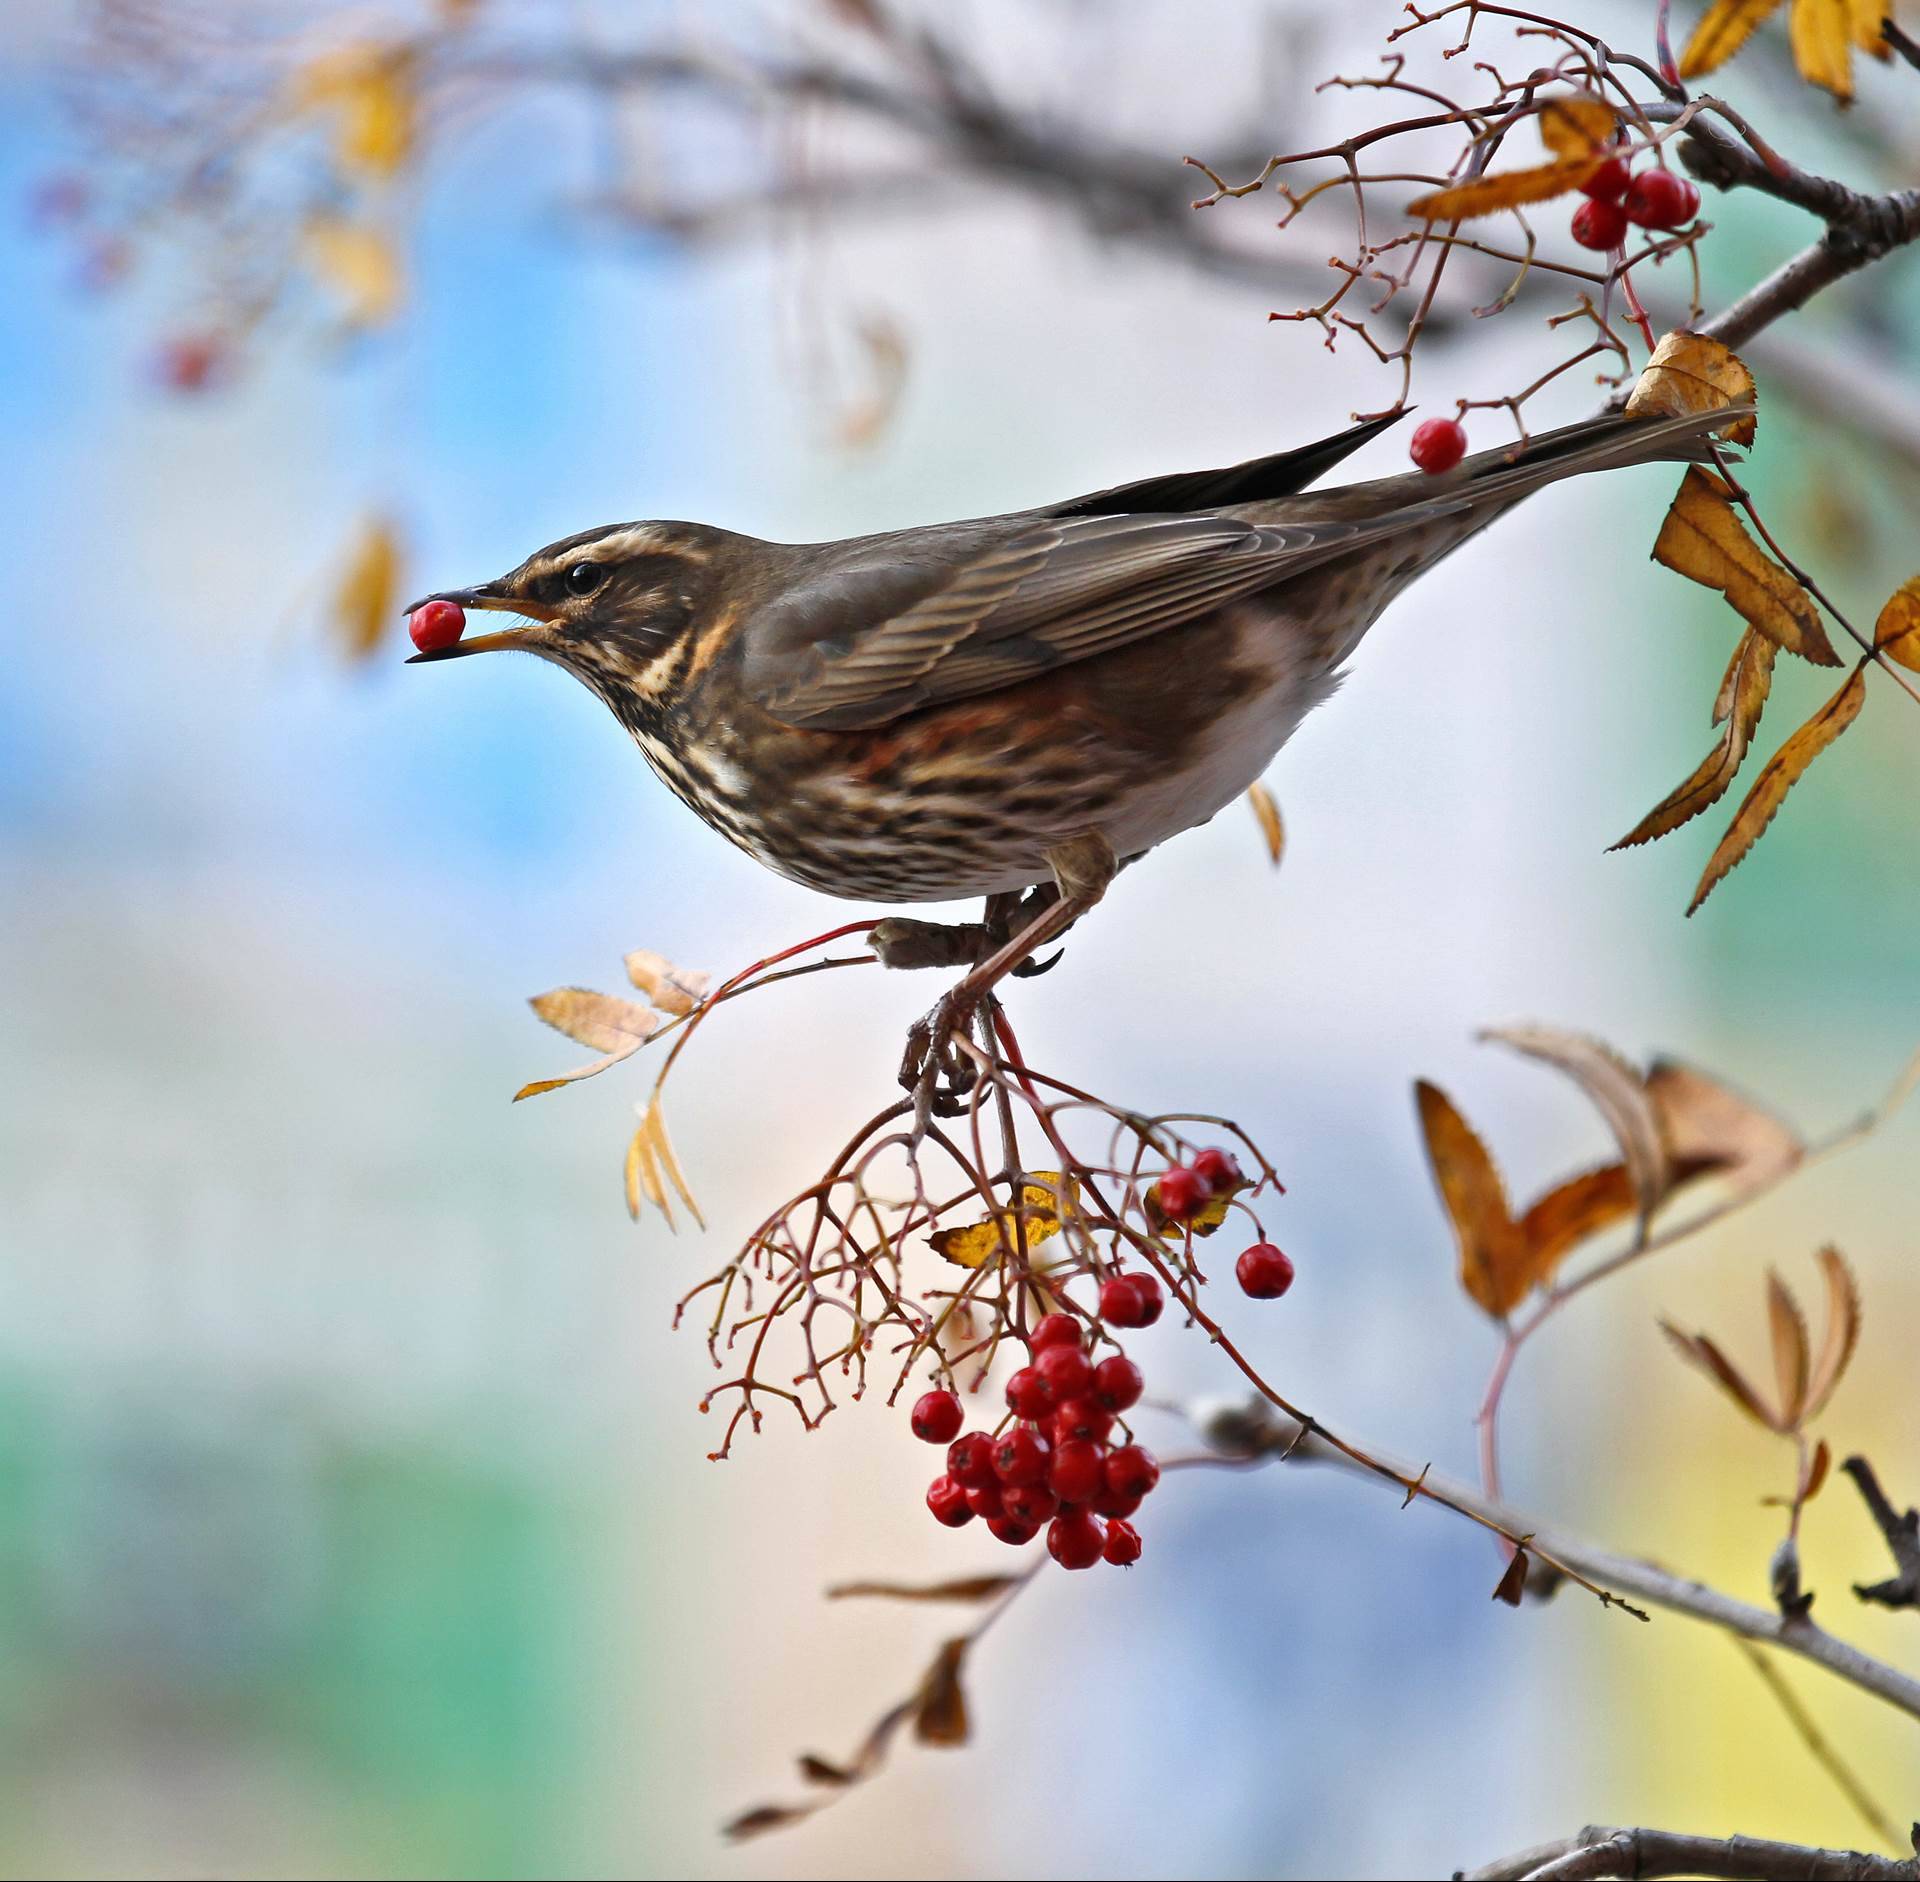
(611, 605)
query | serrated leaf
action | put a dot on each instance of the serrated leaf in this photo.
(1493, 1254)
(1821, 35)
(1615, 1089)
(1692, 372)
(1712, 1130)
(1571, 1212)
(1704, 539)
(365, 598)
(1724, 29)
(1742, 699)
(1576, 129)
(1700, 1352)
(974, 1588)
(1788, 1332)
(972, 1244)
(1783, 771)
(1267, 813)
(1842, 1331)
(1897, 632)
(617, 1028)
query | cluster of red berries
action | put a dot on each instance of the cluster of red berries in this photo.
(1054, 1464)
(1183, 1192)
(1655, 199)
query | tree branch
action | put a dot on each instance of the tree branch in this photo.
(1902, 1532)
(1599, 1851)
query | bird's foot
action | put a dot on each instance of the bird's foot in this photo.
(902, 942)
(940, 1076)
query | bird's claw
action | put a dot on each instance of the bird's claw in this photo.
(939, 1077)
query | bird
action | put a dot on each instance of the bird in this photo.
(1012, 706)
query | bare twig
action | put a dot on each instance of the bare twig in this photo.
(1902, 1531)
(1599, 1851)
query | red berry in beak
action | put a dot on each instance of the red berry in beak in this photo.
(436, 624)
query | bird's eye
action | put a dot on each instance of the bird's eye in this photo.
(583, 578)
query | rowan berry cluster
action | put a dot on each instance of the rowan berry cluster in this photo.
(1616, 198)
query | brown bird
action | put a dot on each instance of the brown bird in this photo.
(1019, 702)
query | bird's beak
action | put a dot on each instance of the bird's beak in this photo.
(527, 637)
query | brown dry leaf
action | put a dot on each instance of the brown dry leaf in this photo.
(1725, 29)
(675, 990)
(1821, 35)
(1267, 812)
(1815, 1473)
(764, 1817)
(649, 1153)
(1711, 1130)
(1699, 1351)
(1783, 771)
(617, 1028)
(1743, 697)
(1788, 1331)
(1690, 372)
(972, 1244)
(365, 602)
(969, 1588)
(1842, 1330)
(1616, 1091)
(359, 264)
(1704, 539)
(1569, 1213)
(1897, 632)
(885, 346)
(1577, 129)
(940, 1707)
(1513, 1584)
(1493, 1255)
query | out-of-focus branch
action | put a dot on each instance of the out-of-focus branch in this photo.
(1902, 1533)
(1599, 1851)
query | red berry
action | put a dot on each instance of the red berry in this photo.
(189, 363)
(984, 1499)
(1066, 1369)
(1028, 1393)
(1120, 1302)
(1008, 1530)
(1029, 1502)
(1220, 1170)
(1123, 1544)
(1078, 1470)
(937, 1418)
(1054, 1329)
(948, 1501)
(1022, 1456)
(438, 624)
(1264, 1272)
(1117, 1383)
(1131, 1471)
(1075, 1541)
(1438, 444)
(1109, 1504)
(1081, 1420)
(970, 1459)
(1183, 1193)
(1609, 182)
(1600, 225)
(1151, 1297)
(1660, 199)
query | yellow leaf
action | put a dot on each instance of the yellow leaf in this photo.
(675, 990)
(1842, 1330)
(649, 1154)
(1576, 129)
(1704, 540)
(1897, 632)
(370, 90)
(1267, 813)
(1788, 1331)
(1570, 1212)
(1784, 770)
(365, 599)
(359, 265)
(1821, 35)
(973, 1244)
(1743, 696)
(617, 1028)
(1865, 21)
(1691, 372)
(1493, 1256)
(1725, 29)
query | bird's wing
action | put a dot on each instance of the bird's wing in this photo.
(862, 639)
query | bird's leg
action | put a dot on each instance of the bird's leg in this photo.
(1082, 868)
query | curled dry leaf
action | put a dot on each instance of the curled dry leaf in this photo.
(973, 1244)
(1704, 539)
(649, 1155)
(973, 1588)
(1570, 1212)
(1692, 372)
(614, 1027)
(940, 1707)
(1513, 1584)
(675, 990)
(1267, 813)
(1713, 1131)
(1897, 632)
(1617, 1092)
(1814, 1475)
(1743, 697)
(1577, 129)
(1699, 1351)
(1842, 1332)
(1494, 1268)
(1783, 771)
(1787, 1327)
(365, 596)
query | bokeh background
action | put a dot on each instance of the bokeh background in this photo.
(354, 1516)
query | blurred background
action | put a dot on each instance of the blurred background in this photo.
(354, 1516)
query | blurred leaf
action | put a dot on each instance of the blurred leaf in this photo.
(1493, 1256)
(366, 597)
(1513, 1584)
(1576, 128)
(1714, 1131)
(1704, 539)
(1727, 26)
(617, 1028)
(969, 1588)
(1690, 372)
(1815, 1474)
(1821, 35)
(1788, 1332)
(885, 348)
(1842, 1332)
(1616, 1091)
(1267, 812)
(940, 1709)
(973, 1244)
(675, 990)
(1569, 1213)
(764, 1817)
(359, 264)
(1699, 1351)
(1743, 697)
(1204, 1221)
(369, 87)
(1897, 632)
(1783, 771)
(649, 1153)
(1867, 20)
